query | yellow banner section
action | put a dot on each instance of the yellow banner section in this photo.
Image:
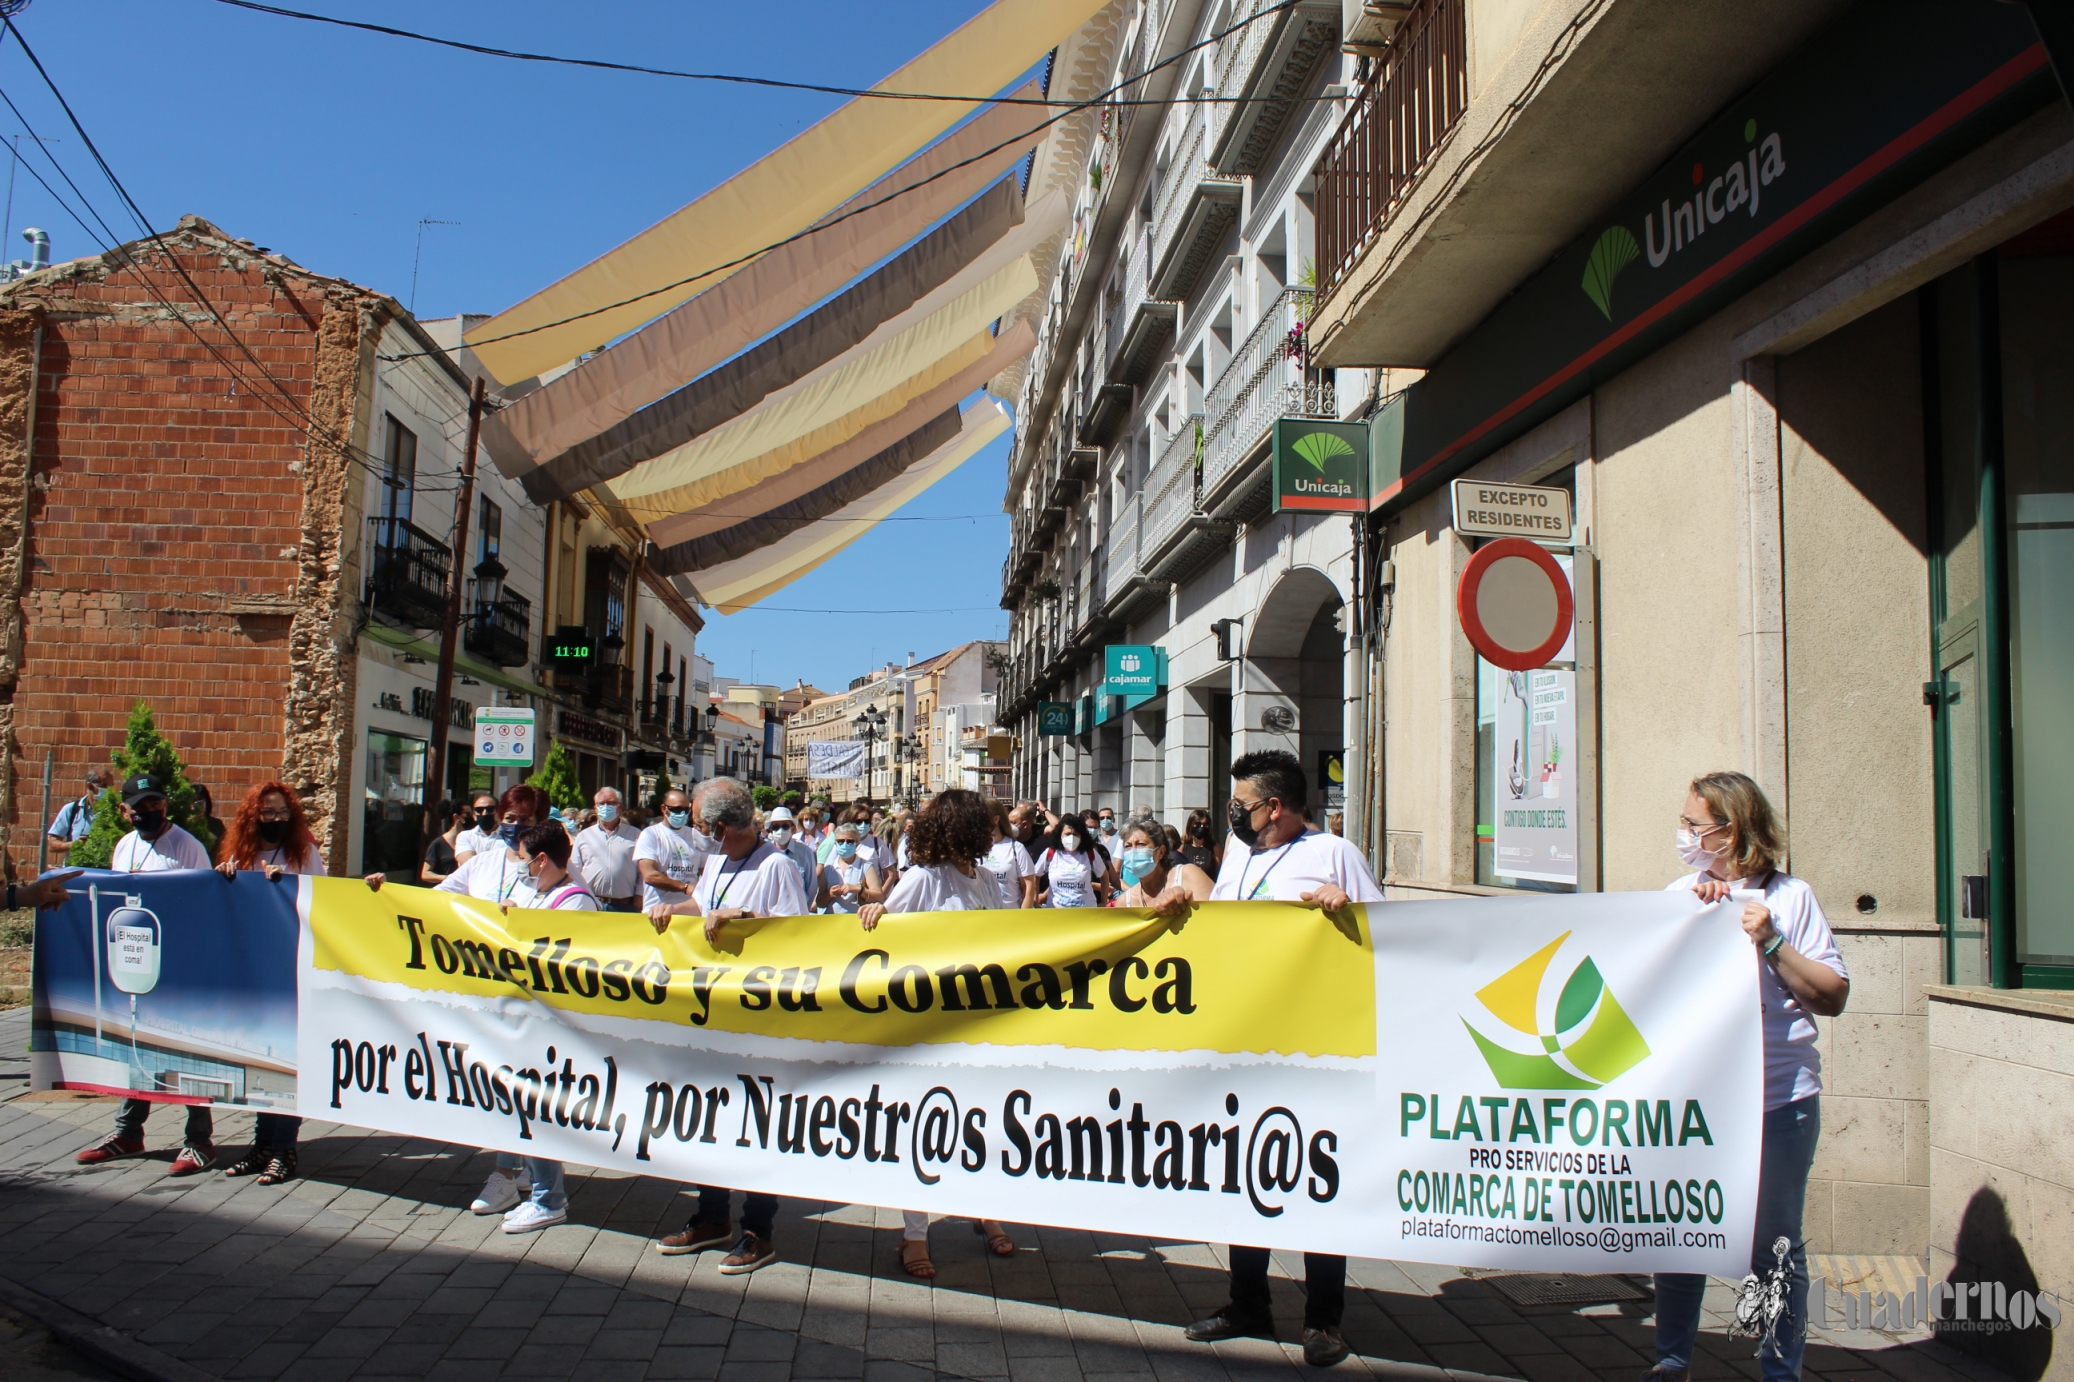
(1236, 977)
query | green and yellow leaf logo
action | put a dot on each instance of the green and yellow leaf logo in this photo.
(1594, 1040)
(1615, 250)
(1320, 447)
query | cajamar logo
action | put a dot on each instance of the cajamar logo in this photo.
(1593, 1041)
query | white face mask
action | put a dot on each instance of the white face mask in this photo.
(1693, 852)
(781, 836)
(1070, 843)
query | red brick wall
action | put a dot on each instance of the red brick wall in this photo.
(163, 518)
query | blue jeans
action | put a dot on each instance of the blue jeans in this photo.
(546, 1177)
(1790, 1134)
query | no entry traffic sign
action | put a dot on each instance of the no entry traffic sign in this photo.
(1515, 604)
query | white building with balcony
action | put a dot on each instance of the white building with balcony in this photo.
(1171, 340)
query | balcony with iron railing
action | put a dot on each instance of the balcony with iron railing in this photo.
(610, 690)
(1170, 514)
(1414, 96)
(1267, 61)
(499, 631)
(406, 574)
(1269, 377)
(1138, 330)
(1196, 207)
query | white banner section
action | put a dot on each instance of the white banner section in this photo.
(1553, 1083)
(835, 758)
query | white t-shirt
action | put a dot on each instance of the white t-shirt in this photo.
(766, 883)
(476, 840)
(802, 856)
(942, 888)
(310, 862)
(678, 853)
(569, 895)
(604, 859)
(1069, 877)
(493, 876)
(1010, 864)
(173, 849)
(836, 872)
(1286, 872)
(1792, 1060)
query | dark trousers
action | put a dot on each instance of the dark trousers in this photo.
(759, 1212)
(275, 1131)
(1324, 1283)
(129, 1121)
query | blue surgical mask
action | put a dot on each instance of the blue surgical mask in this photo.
(509, 833)
(1135, 864)
(608, 813)
(846, 849)
(679, 819)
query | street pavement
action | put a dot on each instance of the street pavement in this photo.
(371, 1266)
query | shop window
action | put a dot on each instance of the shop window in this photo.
(395, 806)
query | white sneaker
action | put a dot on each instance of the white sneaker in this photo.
(531, 1215)
(499, 1193)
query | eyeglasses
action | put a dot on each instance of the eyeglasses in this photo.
(281, 816)
(1249, 807)
(1699, 828)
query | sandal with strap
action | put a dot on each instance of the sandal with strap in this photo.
(250, 1164)
(998, 1241)
(280, 1166)
(914, 1259)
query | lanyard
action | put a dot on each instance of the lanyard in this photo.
(727, 880)
(1247, 863)
(504, 890)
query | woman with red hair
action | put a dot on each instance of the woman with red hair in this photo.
(270, 835)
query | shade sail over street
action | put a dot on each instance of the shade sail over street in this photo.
(780, 195)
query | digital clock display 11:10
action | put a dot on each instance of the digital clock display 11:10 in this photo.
(570, 648)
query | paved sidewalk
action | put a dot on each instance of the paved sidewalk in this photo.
(370, 1266)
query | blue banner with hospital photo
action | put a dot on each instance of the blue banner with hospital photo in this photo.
(174, 987)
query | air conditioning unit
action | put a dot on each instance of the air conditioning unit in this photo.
(1367, 26)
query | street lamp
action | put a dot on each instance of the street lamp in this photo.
(871, 726)
(663, 679)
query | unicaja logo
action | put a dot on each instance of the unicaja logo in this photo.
(1591, 1039)
(1737, 188)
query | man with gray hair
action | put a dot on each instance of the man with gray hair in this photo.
(744, 877)
(604, 856)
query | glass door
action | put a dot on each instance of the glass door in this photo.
(1965, 817)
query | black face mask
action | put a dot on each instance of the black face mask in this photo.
(1242, 826)
(273, 832)
(148, 823)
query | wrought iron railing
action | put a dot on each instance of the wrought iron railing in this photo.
(1269, 377)
(1170, 490)
(1123, 543)
(1235, 55)
(1182, 176)
(1417, 91)
(407, 574)
(499, 631)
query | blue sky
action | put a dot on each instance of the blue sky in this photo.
(329, 146)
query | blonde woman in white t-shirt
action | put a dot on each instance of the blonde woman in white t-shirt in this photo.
(1729, 834)
(945, 843)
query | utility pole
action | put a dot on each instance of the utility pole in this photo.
(450, 623)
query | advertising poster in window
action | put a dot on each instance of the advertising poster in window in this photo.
(1534, 769)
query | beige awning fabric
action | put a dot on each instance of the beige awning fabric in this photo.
(734, 586)
(769, 292)
(841, 432)
(838, 390)
(926, 272)
(668, 522)
(779, 195)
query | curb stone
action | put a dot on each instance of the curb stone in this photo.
(104, 1344)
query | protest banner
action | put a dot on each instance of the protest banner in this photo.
(1557, 1083)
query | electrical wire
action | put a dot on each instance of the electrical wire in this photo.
(862, 92)
(822, 225)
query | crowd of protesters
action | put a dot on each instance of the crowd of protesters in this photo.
(712, 857)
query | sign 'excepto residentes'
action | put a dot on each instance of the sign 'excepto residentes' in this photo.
(1483, 509)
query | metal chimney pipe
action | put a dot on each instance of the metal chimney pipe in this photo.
(39, 248)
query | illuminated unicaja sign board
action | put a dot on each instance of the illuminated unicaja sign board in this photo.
(1321, 465)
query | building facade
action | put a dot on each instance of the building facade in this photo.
(293, 444)
(1781, 299)
(1141, 479)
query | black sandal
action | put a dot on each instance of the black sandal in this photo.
(251, 1164)
(280, 1166)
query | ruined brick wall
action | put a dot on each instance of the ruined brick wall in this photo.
(182, 545)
